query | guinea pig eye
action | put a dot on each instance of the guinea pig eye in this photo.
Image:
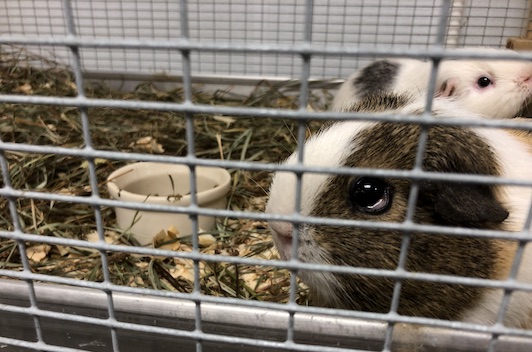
(483, 82)
(370, 195)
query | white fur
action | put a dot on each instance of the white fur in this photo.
(311, 252)
(511, 89)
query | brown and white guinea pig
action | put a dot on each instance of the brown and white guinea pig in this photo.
(492, 88)
(387, 145)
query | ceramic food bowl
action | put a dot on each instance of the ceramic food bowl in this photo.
(165, 184)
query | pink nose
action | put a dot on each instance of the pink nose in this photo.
(281, 228)
(527, 79)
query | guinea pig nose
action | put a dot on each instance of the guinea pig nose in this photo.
(527, 78)
(282, 228)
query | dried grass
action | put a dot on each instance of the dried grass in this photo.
(235, 138)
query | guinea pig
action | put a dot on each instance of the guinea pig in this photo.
(496, 89)
(492, 88)
(393, 146)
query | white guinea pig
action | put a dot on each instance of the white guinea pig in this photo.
(492, 88)
(386, 145)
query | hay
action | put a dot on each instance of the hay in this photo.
(264, 139)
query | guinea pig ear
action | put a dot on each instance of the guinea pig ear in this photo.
(448, 88)
(468, 205)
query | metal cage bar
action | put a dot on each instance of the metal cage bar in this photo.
(102, 316)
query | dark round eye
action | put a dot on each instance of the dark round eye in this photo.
(483, 82)
(370, 195)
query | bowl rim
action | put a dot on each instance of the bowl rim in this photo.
(202, 197)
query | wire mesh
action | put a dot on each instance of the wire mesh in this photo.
(406, 24)
(294, 39)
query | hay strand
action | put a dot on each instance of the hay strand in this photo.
(157, 132)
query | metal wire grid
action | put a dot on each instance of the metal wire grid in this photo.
(247, 22)
(484, 22)
(383, 23)
(336, 23)
(114, 288)
(305, 51)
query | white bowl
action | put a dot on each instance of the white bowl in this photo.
(166, 184)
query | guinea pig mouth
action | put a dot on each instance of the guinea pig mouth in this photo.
(282, 236)
(283, 244)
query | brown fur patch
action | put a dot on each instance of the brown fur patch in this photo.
(393, 146)
(378, 76)
(380, 102)
(504, 260)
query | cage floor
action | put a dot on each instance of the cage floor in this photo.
(177, 317)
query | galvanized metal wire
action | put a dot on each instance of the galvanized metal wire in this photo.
(312, 44)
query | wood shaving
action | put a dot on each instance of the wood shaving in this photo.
(38, 253)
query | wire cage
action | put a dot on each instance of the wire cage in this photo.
(89, 86)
